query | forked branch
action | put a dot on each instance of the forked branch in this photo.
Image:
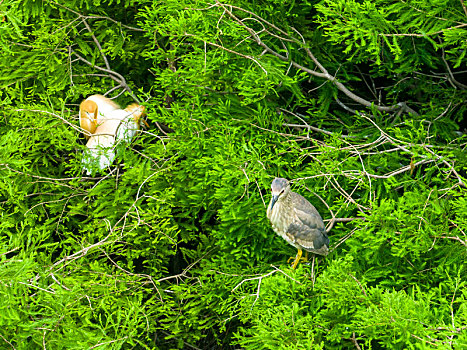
(321, 72)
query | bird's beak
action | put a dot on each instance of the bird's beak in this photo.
(274, 199)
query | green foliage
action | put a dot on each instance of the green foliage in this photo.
(387, 30)
(170, 247)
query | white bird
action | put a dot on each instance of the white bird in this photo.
(132, 123)
(93, 111)
(119, 125)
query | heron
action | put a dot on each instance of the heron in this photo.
(296, 220)
(120, 125)
(93, 111)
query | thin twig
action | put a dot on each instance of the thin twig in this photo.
(354, 341)
(6, 341)
(112, 74)
(323, 73)
(98, 44)
(463, 6)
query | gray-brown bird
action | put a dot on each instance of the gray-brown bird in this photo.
(296, 220)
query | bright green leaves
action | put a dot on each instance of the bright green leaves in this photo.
(347, 16)
(170, 247)
(406, 236)
(371, 27)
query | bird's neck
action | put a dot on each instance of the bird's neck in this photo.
(280, 215)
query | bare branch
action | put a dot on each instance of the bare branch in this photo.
(108, 342)
(463, 6)
(451, 78)
(354, 341)
(456, 238)
(7, 166)
(98, 44)
(333, 221)
(112, 74)
(234, 52)
(323, 73)
(97, 17)
(6, 341)
(263, 276)
(10, 251)
(418, 35)
(74, 126)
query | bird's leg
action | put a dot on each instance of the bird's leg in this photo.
(313, 271)
(297, 259)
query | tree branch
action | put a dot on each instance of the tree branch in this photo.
(112, 74)
(323, 72)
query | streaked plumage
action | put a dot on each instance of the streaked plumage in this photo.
(296, 220)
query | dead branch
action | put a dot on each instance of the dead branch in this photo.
(7, 166)
(359, 284)
(234, 52)
(110, 73)
(108, 342)
(151, 280)
(462, 25)
(463, 7)
(456, 238)
(320, 73)
(118, 78)
(456, 84)
(333, 221)
(403, 147)
(76, 127)
(10, 251)
(260, 278)
(6, 341)
(98, 44)
(354, 341)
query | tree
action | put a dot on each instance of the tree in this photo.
(360, 104)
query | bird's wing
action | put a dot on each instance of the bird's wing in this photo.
(110, 125)
(127, 130)
(99, 153)
(308, 227)
(313, 239)
(131, 123)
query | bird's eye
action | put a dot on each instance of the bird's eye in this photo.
(282, 191)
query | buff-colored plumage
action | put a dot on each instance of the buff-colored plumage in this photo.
(130, 125)
(118, 125)
(93, 111)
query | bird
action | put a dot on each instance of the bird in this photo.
(93, 111)
(120, 125)
(130, 125)
(296, 220)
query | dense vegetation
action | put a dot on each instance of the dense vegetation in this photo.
(360, 103)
